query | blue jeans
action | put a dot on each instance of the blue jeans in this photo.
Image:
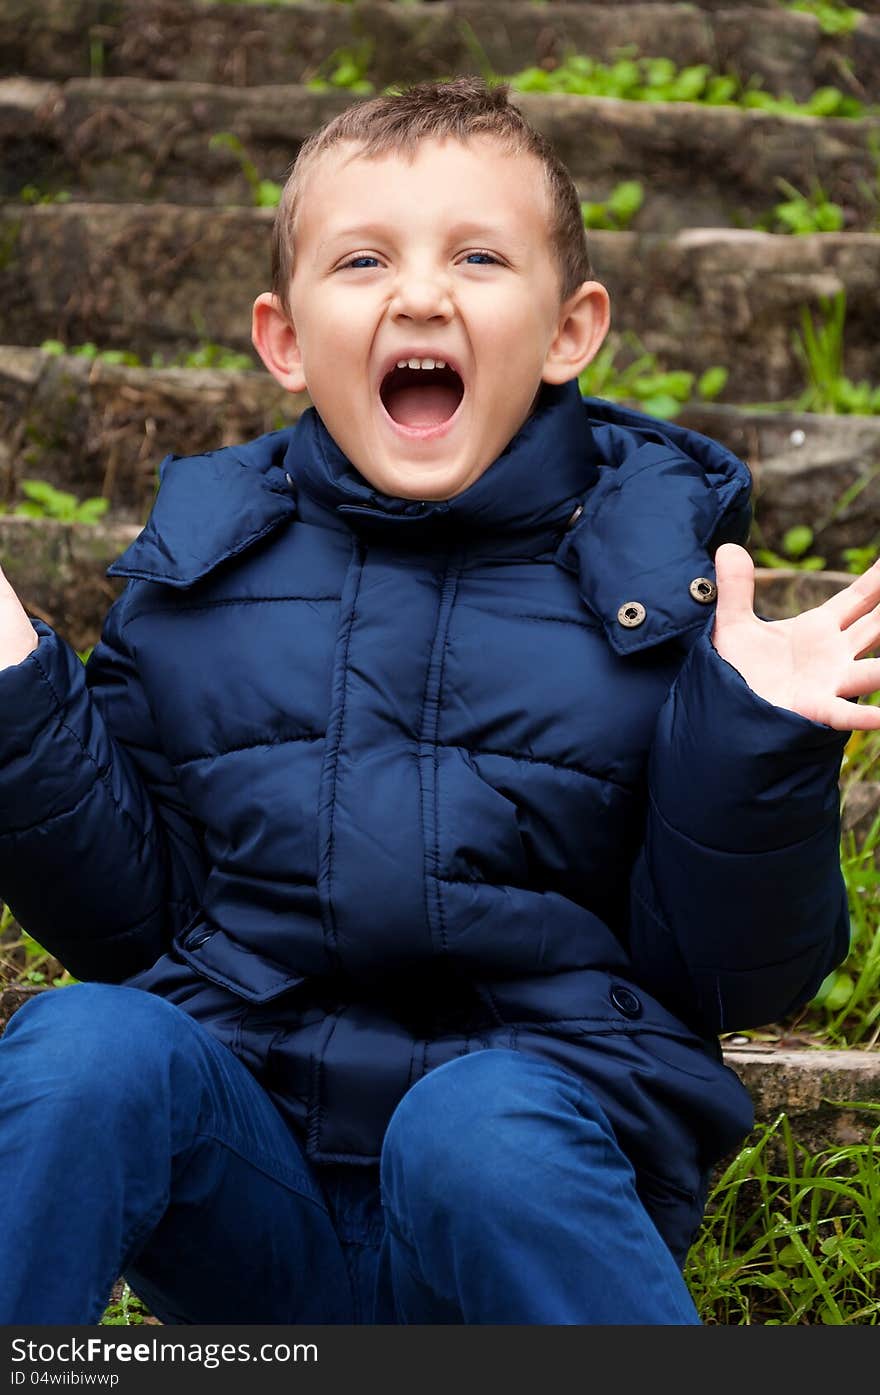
(132, 1142)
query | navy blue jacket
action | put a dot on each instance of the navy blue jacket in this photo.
(365, 784)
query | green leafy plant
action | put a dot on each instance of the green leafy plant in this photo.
(657, 79)
(265, 193)
(347, 68)
(643, 383)
(45, 501)
(33, 194)
(618, 210)
(796, 544)
(834, 16)
(91, 351)
(801, 214)
(859, 559)
(129, 1311)
(206, 355)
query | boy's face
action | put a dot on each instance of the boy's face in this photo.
(445, 257)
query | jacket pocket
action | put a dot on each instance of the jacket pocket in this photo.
(216, 956)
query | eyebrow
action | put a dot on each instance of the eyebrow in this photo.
(490, 231)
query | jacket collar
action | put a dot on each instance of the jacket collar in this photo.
(527, 495)
(208, 509)
(656, 500)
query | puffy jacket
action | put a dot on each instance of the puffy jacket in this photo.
(365, 783)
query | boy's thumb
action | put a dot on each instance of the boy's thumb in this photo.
(735, 579)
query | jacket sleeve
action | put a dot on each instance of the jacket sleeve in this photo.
(99, 860)
(738, 907)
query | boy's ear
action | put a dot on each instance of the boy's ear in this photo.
(274, 337)
(583, 324)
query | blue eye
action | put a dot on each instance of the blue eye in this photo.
(359, 261)
(488, 258)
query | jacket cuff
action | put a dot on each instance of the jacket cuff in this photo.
(734, 772)
(36, 780)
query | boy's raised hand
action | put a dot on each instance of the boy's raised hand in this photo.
(809, 663)
(17, 635)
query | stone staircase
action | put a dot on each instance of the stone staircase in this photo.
(140, 234)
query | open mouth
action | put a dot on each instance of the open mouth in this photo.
(421, 398)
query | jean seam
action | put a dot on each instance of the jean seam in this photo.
(269, 1167)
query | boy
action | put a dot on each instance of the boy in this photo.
(421, 834)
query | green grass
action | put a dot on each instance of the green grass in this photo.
(819, 348)
(792, 1238)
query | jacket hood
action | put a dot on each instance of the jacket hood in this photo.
(632, 506)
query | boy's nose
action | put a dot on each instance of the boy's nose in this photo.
(421, 297)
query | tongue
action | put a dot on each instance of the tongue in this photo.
(419, 405)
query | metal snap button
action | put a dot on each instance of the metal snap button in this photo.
(703, 590)
(575, 516)
(625, 1000)
(631, 613)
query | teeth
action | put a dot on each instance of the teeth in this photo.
(421, 363)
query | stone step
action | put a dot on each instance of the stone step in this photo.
(248, 44)
(93, 428)
(127, 139)
(822, 471)
(819, 1090)
(161, 277)
(58, 571)
(784, 591)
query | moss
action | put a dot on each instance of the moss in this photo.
(9, 234)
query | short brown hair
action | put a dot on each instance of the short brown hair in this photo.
(398, 121)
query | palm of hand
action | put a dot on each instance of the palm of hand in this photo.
(17, 635)
(810, 663)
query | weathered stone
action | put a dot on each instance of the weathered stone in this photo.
(819, 1091)
(822, 471)
(57, 571)
(130, 139)
(93, 428)
(785, 591)
(98, 429)
(144, 277)
(860, 806)
(251, 45)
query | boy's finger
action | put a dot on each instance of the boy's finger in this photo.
(857, 599)
(862, 679)
(851, 716)
(864, 634)
(735, 579)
